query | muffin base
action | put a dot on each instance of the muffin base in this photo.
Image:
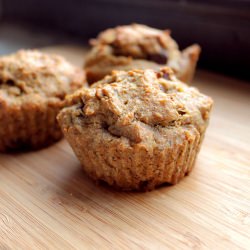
(31, 125)
(98, 67)
(125, 166)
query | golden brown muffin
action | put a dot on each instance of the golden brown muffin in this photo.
(32, 90)
(138, 47)
(136, 130)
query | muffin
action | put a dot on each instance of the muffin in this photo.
(138, 47)
(138, 129)
(32, 90)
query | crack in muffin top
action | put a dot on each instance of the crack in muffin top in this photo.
(138, 41)
(30, 72)
(140, 103)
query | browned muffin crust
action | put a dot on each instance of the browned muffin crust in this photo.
(32, 90)
(136, 130)
(138, 47)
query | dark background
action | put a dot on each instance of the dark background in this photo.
(222, 28)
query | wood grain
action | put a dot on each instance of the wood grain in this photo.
(47, 202)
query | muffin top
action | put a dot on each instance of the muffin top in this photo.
(30, 73)
(140, 105)
(137, 41)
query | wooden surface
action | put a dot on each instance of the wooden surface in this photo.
(47, 202)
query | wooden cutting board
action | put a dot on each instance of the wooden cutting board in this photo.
(47, 202)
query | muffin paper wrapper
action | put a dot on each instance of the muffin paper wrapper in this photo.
(28, 127)
(133, 168)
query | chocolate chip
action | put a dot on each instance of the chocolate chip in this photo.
(160, 58)
(166, 76)
(105, 125)
(181, 112)
(10, 82)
